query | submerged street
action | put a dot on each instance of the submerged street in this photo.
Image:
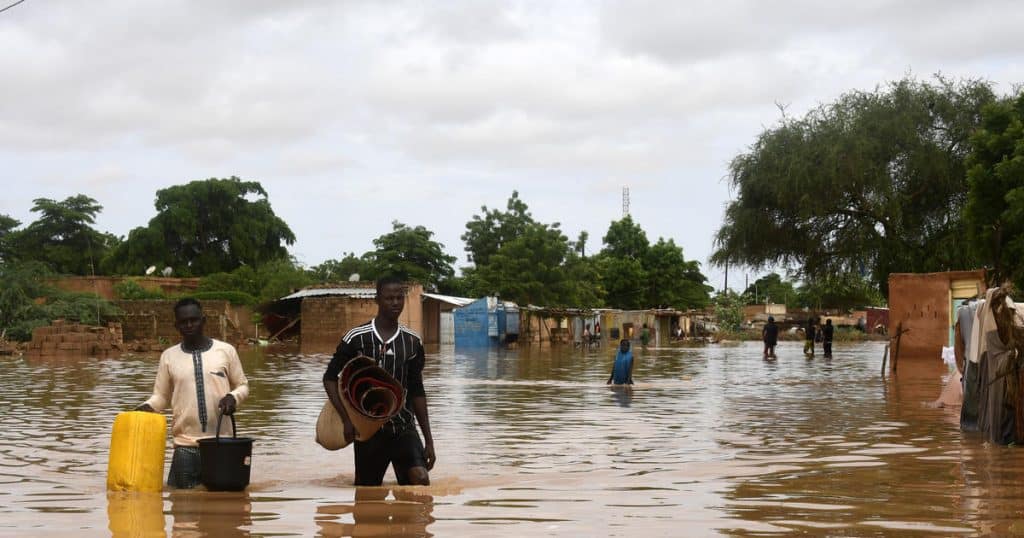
(711, 441)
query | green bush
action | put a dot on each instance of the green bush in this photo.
(729, 310)
(21, 331)
(233, 297)
(130, 290)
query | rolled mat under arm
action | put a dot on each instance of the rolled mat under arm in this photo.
(370, 395)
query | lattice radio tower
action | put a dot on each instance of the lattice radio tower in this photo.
(625, 201)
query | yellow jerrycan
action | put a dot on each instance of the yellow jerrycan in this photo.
(137, 452)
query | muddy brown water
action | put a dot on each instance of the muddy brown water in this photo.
(712, 441)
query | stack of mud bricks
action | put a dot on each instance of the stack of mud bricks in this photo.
(76, 341)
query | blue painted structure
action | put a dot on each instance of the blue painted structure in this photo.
(485, 322)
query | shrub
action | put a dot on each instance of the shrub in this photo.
(233, 297)
(129, 290)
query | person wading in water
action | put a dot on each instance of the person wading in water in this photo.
(770, 335)
(197, 378)
(398, 350)
(622, 369)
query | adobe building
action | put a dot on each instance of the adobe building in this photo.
(325, 314)
(922, 309)
(760, 312)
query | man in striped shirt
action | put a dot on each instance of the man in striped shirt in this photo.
(399, 351)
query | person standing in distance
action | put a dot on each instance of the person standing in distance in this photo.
(770, 336)
(810, 332)
(399, 351)
(827, 333)
(197, 378)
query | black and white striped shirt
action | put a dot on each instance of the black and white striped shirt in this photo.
(401, 356)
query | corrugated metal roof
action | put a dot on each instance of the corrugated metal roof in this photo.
(359, 293)
(457, 301)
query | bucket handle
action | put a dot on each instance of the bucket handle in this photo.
(234, 431)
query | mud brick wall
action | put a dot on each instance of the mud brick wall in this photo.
(921, 302)
(326, 319)
(104, 285)
(71, 340)
(154, 320)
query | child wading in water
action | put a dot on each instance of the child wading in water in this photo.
(622, 370)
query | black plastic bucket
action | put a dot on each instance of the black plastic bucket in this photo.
(226, 461)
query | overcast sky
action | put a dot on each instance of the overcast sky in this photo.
(355, 114)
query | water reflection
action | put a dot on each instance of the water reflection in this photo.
(136, 515)
(622, 394)
(203, 513)
(373, 514)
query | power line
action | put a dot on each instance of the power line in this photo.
(10, 6)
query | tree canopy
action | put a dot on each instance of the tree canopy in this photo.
(62, 237)
(870, 184)
(995, 205)
(487, 233)
(203, 227)
(636, 274)
(343, 269)
(529, 262)
(410, 254)
(772, 288)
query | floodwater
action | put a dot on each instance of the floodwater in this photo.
(711, 441)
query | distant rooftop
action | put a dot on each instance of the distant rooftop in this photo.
(457, 301)
(359, 293)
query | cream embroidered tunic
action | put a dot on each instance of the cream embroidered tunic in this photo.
(175, 386)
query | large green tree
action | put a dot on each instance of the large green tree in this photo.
(582, 287)
(672, 280)
(62, 237)
(870, 184)
(636, 274)
(772, 288)
(203, 227)
(410, 253)
(995, 206)
(622, 264)
(487, 233)
(526, 261)
(528, 269)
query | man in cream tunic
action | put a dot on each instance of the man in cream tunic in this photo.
(197, 379)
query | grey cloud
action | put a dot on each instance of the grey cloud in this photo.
(453, 103)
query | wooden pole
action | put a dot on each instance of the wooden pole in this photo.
(896, 349)
(286, 327)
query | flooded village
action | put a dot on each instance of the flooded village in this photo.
(532, 438)
(477, 268)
